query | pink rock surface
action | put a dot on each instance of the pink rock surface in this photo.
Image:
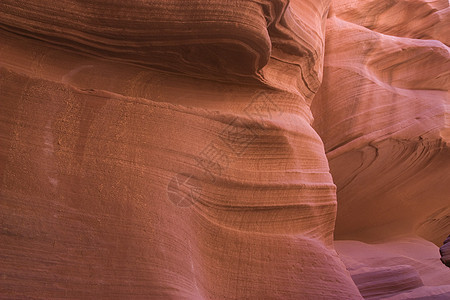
(165, 150)
(402, 268)
(182, 149)
(382, 112)
(385, 127)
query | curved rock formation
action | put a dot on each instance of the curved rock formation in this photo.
(221, 40)
(385, 127)
(166, 149)
(383, 115)
(417, 19)
(404, 268)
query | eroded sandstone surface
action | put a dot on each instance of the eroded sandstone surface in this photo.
(215, 149)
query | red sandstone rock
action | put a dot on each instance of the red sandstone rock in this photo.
(166, 149)
(383, 114)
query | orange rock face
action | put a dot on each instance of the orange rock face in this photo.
(182, 149)
(382, 112)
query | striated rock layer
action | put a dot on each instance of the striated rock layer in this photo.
(165, 150)
(182, 149)
(404, 268)
(383, 114)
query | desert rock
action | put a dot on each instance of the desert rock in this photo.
(182, 149)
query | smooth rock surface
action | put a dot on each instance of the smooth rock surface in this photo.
(164, 149)
(383, 113)
(182, 149)
(403, 268)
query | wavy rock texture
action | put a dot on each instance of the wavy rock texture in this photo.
(416, 19)
(383, 115)
(385, 128)
(405, 268)
(166, 149)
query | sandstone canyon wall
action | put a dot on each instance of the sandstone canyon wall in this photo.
(182, 149)
(383, 113)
